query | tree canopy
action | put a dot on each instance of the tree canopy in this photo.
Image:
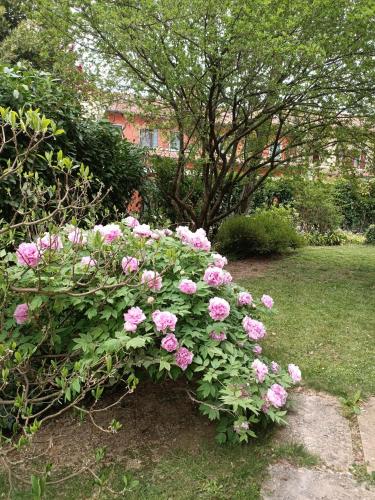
(238, 78)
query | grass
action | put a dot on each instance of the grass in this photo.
(325, 317)
(210, 472)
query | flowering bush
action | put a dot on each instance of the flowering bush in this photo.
(90, 308)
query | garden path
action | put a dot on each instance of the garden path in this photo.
(316, 421)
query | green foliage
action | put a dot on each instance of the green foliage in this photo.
(317, 239)
(316, 208)
(370, 235)
(355, 199)
(116, 164)
(264, 233)
(351, 404)
(158, 188)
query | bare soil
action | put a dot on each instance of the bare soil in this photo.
(155, 419)
(252, 267)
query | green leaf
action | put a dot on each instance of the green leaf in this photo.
(164, 365)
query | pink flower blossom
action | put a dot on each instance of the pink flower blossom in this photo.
(213, 276)
(28, 254)
(255, 329)
(295, 373)
(277, 395)
(152, 279)
(134, 315)
(130, 327)
(219, 260)
(169, 342)
(199, 241)
(164, 320)
(21, 313)
(142, 231)
(183, 358)
(218, 336)
(77, 237)
(275, 367)
(218, 308)
(267, 301)
(50, 242)
(88, 261)
(129, 264)
(184, 234)
(260, 369)
(257, 350)
(110, 232)
(187, 286)
(244, 299)
(227, 278)
(131, 221)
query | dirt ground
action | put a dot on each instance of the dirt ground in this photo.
(252, 267)
(155, 419)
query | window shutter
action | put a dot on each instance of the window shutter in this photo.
(155, 138)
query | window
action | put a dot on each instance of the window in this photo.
(277, 150)
(148, 137)
(174, 143)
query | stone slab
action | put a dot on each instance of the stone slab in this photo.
(315, 420)
(288, 483)
(366, 422)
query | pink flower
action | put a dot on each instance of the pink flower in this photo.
(257, 350)
(218, 336)
(213, 276)
(28, 254)
(275, 367)
(164, 320)
(169, 342)
(218, 308)
(134, 315)
(183, 358)
(260, 369)
(131, 221)
(110, 232)
(277, 395)
(187, 286)
(255, 329)
(21, 313)
(142, 231)
(130, 327)
(295, 373)
(77, 237)
(184, 234)
(227, 278)
(199, 241)
(152, 279)
(129, 264)
(267, 301)
(219, 260)
(88, 261)
(50, 242)
(244, 299)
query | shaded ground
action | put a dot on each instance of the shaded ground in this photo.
(155, 419)
(252, 267)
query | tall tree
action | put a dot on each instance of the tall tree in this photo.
(239, 77)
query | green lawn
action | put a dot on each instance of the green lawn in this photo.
(324, 317)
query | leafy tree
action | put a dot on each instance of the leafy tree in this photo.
(116, 164)
(239, 77)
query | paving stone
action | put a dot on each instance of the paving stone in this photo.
(315, 421)
(366, 422)
(288, 483)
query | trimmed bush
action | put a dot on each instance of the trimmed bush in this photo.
(264, 233)
(370, 235)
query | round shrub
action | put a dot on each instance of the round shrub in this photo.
(370, 235)
(264, 233)
(89, 309)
